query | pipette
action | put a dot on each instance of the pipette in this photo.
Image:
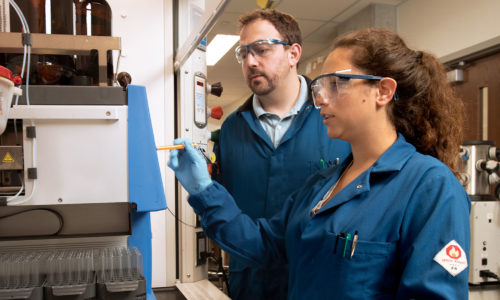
(172, 147)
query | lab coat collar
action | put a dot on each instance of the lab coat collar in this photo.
(392, 160)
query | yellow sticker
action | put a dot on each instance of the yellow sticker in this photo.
(8, 158)
(212, 157)
(266, 3)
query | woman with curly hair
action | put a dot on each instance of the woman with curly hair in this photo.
(392, 221)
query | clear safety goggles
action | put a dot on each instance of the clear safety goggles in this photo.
(259, 48)
(331, 85)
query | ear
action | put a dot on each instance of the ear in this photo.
(387, 88)
(294, 53)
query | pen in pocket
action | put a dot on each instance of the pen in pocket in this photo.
(354, 243)
(348, 238)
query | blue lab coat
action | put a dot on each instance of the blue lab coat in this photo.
(260, 178)
(406, 208)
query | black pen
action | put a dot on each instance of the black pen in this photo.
(354, 242)
(336, 241)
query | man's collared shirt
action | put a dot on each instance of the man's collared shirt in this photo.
(273, 125)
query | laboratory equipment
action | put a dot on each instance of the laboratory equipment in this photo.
(7, 91)
(119, 274)
(99, 273)
(93, 18)
(193, 116)
(479, 176)
(21, 275)
(63, 18)
(79, 170)
(69, 273)
(193, 119)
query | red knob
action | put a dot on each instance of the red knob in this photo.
(216, 112)
(17, 80)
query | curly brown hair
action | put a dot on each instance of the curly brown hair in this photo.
(284, 23)
(428, 113)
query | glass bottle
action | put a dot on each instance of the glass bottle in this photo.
(58, 69)
(34, 12)
(44, 69)
(93, 17)
(80, 17)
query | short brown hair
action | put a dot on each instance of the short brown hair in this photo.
(284, 23)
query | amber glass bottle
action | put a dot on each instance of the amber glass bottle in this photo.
(34, 12)
(80, 17)
(44, 69)
(93, 17)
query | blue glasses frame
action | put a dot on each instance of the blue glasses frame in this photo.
(347, 76)
(248, 48)
(344, 77)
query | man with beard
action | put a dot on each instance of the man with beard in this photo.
(271, 144)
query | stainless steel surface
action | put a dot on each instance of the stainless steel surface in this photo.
(456, 75)
(479, 171)
(475, 179)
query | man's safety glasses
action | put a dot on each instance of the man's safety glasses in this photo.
(259, 48)
(331, 85)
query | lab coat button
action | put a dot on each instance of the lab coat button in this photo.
(359, 186)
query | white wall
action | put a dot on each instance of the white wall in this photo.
(146, 33)
(445, 27)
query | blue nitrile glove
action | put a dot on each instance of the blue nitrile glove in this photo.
(190, 167)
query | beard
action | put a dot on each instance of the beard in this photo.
(262, 86)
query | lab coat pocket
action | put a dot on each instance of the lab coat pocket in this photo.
(371, 268)
(314, 166)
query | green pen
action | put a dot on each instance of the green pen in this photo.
(322, 161)
(347, 239)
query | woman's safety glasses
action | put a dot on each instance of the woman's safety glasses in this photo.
(331, 85)
(259, 48)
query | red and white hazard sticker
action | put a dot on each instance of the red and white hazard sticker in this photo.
(452, 258)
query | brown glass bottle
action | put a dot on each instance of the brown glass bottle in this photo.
(34, 12)
(93, 17)
(58, 69)
(44, 69)
(89, 17)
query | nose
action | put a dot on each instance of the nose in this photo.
(250, 59)
(319, 100)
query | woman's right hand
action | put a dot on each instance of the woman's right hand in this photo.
(190, 167)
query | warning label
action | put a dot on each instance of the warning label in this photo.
(8, 158)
